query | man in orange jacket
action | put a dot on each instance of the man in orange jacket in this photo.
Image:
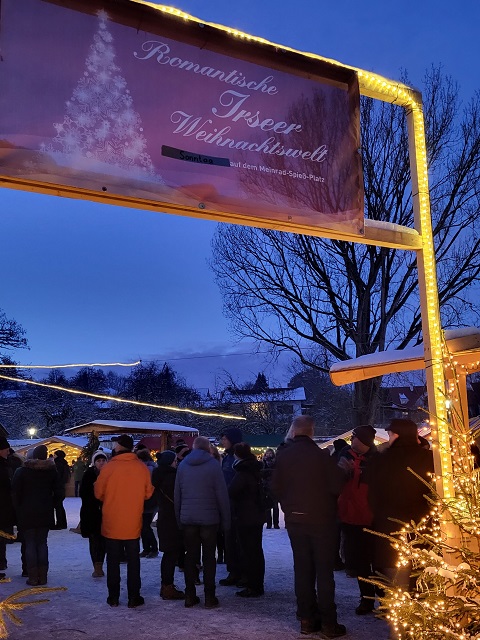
(123, 485)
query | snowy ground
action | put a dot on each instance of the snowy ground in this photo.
(81, 612)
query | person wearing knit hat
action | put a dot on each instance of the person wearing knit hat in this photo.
(99, 454)
(91, 513)
(123, 442)
(354, 512)
(170, 539)
(228, 439)
(63, 471)
(366, 434)
(36, 488)
(398, 495)
(402, 428)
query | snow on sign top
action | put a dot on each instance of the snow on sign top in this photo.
(463, 343)
(137, 103)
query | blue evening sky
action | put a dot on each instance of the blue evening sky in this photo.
(94, 283)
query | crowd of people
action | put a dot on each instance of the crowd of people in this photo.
(212, 508)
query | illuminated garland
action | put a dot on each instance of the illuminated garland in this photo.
(124, 400)
(66, 366)
(444, 553)
(383, 88)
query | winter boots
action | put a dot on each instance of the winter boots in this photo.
(170, 592)
(32, 577)
(98, 570)
(211, 601)
(42, 575)
(37, 576)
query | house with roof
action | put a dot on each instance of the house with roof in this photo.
(402, 402)
(267, 410)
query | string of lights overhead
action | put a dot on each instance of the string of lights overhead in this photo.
(123, 400)
(68, 366)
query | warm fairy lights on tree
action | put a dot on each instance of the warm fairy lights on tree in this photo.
(445, 601)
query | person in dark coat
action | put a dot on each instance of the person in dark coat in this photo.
(229, 438)
(248, 513)
(396, 493)
(7, 512)
(36, 487)
(149, 541)
(78, 469)
(63, 471)
(272, 512)
(201, 507)
(354, 512)
(307, 482)
(170, 540)
(91, 514)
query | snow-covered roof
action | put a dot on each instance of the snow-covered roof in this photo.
(463, 343)
(129, 426)
(27, 443)
(380, 436)
(269, 395)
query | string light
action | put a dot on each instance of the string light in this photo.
(66, 366)
(445, 602)
(370, 83)
(124, 400)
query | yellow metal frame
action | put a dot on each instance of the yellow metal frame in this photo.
(419, 239)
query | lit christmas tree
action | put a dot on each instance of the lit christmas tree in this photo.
(445, 602)
(90, 448)
(101, 126)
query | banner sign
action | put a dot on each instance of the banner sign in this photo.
(160, 110)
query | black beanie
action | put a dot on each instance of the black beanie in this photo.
(366, 434)
(125, 441)
(166, 458)
(234, 435)
(406, 429)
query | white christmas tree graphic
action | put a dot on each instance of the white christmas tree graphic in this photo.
(101, 126)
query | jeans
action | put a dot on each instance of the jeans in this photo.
(116, 549)
(200, 538)
(313, 562)
(36, 549)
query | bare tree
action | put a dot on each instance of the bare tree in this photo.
(298, 293)
(12, 334)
